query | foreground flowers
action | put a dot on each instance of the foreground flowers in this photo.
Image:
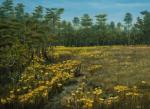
(39, 82)
(88, 98)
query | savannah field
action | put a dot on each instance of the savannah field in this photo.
(74, 54)
(111, 64)
(99, 77)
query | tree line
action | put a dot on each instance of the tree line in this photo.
(24, 34)
(83, 32)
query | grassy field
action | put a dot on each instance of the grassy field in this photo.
(118, 64)
(101, 77)
(107, 67)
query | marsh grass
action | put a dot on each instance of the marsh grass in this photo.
(113, 77)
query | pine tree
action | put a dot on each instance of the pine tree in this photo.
(128, 22)
(19, 12)
(8, 10)
(38, 13)
(101, 26)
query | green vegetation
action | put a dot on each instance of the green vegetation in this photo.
(43, 64)
(90, 78)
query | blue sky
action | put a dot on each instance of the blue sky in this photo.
(114, 8)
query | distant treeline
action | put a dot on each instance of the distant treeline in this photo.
(24, 34)
(83, 32)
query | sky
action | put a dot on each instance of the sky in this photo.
(115, 9)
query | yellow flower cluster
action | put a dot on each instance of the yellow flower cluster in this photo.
(121, 88)
(132, 94)
(111, 100)
(97, 91)
(82, 98)
(69, 66)
(29, 97)
(38, 80)
(90, 54)
(88, 103)
(88, 98)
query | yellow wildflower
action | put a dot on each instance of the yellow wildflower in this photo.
(59, 84)
(12, 96)
(24, 88)
(143, 82)
(113, 99)
(3, 101)
(120, 88)
(45, 93)
(101, 99)
(73, 94)
(8, 99)
(18, 90)
(46, 73)
(97, 91)
(11, 91)
(88, 103)
(132, 94)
